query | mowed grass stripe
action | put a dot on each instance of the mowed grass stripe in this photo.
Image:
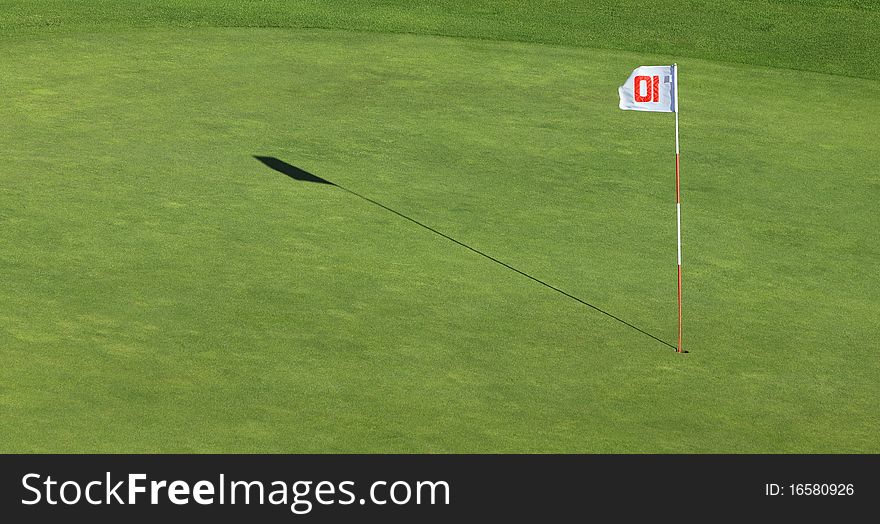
(828, 36)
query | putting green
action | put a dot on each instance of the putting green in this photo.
(164, 291)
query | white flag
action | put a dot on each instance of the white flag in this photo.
(649, 88)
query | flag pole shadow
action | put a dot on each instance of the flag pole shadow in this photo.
(304, 176)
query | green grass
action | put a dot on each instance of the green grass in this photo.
(165, 292)
(828, 36)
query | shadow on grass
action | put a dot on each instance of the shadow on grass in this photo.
(304, 176)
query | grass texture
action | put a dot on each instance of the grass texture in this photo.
(166, 292)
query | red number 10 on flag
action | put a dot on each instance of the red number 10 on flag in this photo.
(652, 86)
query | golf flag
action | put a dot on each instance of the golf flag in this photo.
(649, 88)
(655, 88)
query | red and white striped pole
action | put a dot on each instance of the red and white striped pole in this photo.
(677, 198)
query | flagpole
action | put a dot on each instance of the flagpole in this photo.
(677, 199)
